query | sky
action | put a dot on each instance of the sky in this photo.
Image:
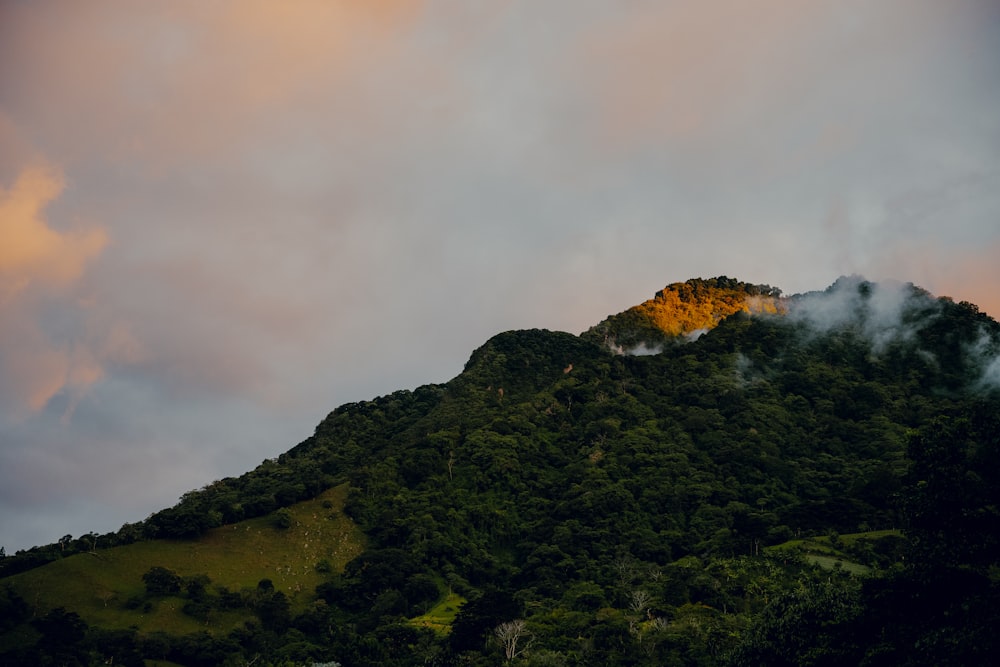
(221, 220)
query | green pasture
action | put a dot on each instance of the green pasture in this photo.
(98, 585)
(440, 617)
(825, 551)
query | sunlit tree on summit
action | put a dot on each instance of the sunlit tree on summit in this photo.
(681, 311)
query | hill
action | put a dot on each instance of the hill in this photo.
(682, 311)
(105, 586)
(562, 502)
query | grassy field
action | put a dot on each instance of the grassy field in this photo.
(824, 551)
(439, 617)
(236, 556)
(834, 562)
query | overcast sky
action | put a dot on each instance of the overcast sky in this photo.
(221, 220)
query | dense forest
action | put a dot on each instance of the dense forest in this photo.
(804, 480)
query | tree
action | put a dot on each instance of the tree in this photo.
(63, 634)
(805, 627)
(952, 492)
(509, 635)
(116, 647)
(283, 519)
(161, 581)
(274, 611)
(421, 591)
(478, 617)
(196, 586)
(638, 600)
(13, 608)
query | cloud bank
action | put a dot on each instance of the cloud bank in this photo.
(232, 217)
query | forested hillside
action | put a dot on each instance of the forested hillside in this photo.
(809, 480)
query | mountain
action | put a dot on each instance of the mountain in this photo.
(809, 479)
(682, 311)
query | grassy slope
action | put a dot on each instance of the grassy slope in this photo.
(821, 550)
(440, 617)
(236, 556)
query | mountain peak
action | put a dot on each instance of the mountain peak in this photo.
(683, 311)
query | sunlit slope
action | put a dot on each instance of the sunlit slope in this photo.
(101, 586)
(684, 309)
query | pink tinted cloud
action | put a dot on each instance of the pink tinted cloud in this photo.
(679, 71)
(719, 77)
(198, 103)
(963, 273)
(40, 267)
(181, 81)
(33, 254)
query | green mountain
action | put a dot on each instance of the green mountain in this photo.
(809, 480)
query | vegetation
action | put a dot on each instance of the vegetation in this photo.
(818, 487)
(212, 583)
(440, 617)
(684, 310)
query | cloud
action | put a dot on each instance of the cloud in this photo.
(883, 313)
(739, 75)
(963, 269)
(984, 354)
(33, 254)
(250, 158)
(991, 373)
(316, 202)
(187, 81)
(888, 312)
(39, 271)
(680, 70)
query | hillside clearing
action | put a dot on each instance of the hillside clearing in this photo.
(237, 556)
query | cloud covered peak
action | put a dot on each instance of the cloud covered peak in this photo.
(883, 312)
(894, 322)
(899, 319)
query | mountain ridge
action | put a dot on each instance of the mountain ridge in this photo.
(620, 507)
(681, 310)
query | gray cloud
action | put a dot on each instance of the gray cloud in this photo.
(889, 313)
(883, 313)
(991, 375)
(321, 205)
